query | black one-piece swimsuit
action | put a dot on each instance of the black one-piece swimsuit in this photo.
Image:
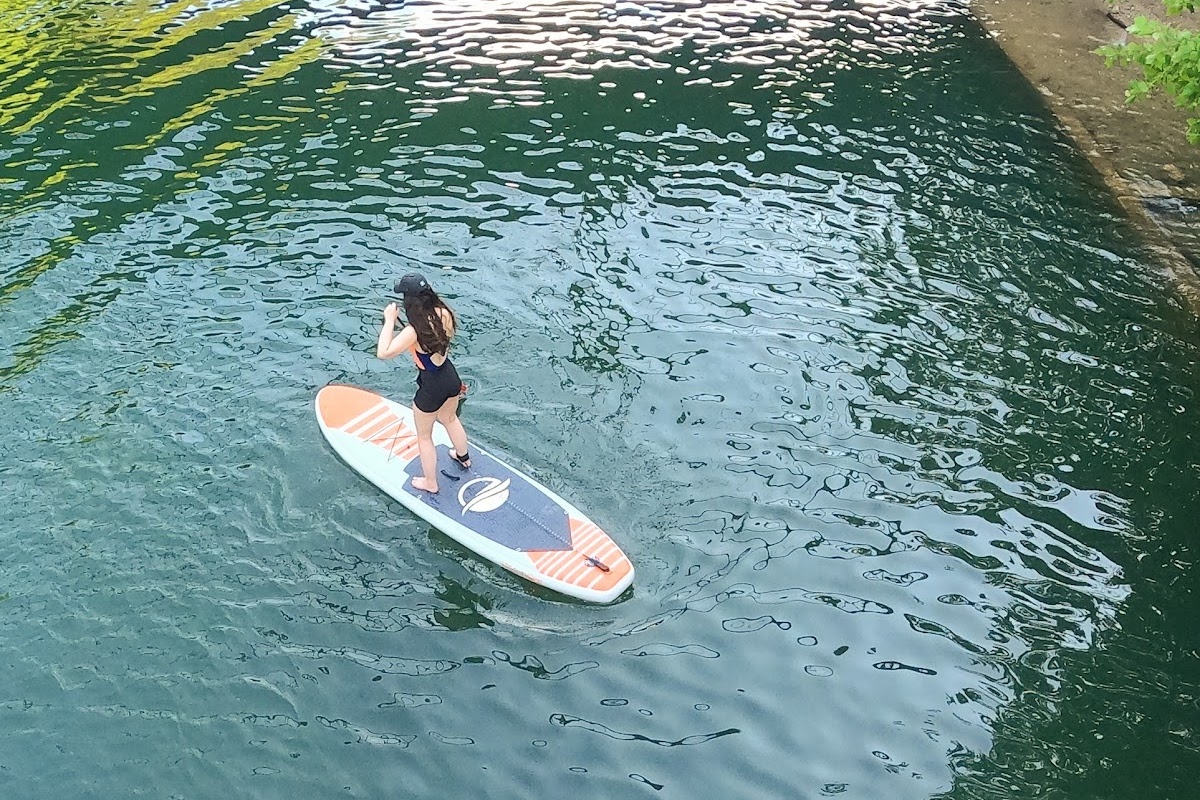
(435, 384)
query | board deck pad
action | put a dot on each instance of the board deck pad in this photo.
(491, 507)
(502, 506)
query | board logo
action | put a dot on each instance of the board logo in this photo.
(493, 495)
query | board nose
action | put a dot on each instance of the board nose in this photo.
(337, 405)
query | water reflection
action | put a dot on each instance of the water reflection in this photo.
(508, 52)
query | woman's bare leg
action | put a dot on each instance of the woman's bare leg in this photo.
(448, 416)
(427, 481)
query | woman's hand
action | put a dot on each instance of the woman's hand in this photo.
(391, 312)
(391, 343)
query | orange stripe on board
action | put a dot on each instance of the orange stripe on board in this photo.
(590, 539)
(582, 567)
(572, 566)
(388, 436)
(584, 528)
(581, 547)
(565, 566)
(365, 418)
(592, 546)
(388, 432)
(380, 427)
(406, 452)
(551, 565)
(585, 534)
(543, 558)
(583, 540)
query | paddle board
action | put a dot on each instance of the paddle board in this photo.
(491, 508)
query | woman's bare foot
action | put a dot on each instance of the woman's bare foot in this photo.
(423, 484)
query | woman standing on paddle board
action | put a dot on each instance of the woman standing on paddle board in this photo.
(431, 326)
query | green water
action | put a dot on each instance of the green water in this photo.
(811, 306)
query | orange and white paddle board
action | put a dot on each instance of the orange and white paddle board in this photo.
(491, 508)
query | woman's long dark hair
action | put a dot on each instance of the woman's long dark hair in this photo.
(421, 308)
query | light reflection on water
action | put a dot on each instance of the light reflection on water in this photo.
(507, 52)
(791, 296)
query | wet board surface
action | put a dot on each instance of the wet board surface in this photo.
(491, 508)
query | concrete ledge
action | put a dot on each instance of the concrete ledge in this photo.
(1140, 150)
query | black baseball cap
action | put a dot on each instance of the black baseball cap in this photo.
(412, 283)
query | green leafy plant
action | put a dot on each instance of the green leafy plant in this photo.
(1170, 60)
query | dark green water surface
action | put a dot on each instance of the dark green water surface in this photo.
(811, 305)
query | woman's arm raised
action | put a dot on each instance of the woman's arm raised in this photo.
(390, 343)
